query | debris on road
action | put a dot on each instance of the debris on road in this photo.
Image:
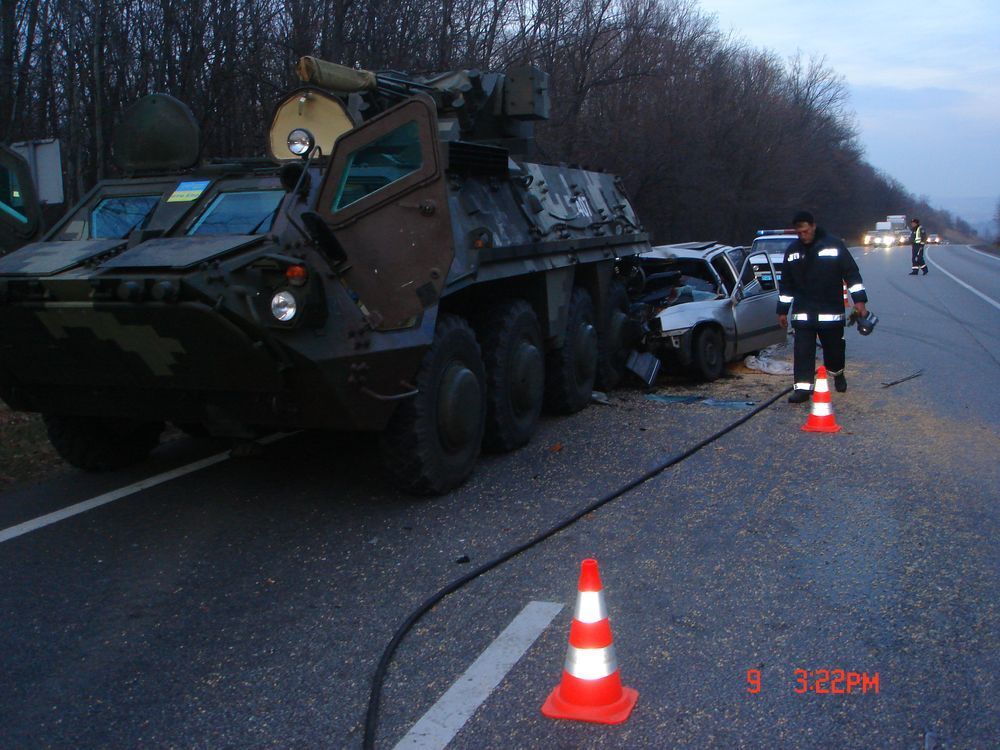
(917, 374)
(704, 401)
(774, 360)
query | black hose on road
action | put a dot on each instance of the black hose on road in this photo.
(371, 716)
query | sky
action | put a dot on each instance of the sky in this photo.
(923, 78)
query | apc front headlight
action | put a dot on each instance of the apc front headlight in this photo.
(283, 306)
(301, 142)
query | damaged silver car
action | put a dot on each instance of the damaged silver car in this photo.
(703, 304)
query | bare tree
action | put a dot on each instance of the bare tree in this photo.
(712, 137)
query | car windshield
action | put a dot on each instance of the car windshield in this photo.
(243, 212)
(669, 281)
(772, 245)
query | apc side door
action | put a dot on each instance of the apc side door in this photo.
(20, 214)
(754, 308)
(385, 199)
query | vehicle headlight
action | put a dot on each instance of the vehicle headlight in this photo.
(301, 142)
(284, 306)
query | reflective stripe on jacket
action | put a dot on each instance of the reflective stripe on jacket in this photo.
(813, 278)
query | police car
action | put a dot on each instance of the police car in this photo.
(772, 242)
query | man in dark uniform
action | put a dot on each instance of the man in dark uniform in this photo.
(816, 268)
(918, 238)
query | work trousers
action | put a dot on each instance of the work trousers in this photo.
(917, 255)
(834, 348)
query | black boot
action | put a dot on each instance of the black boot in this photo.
(925, 270)
(914, 272)
(840, 383)
(798, 396)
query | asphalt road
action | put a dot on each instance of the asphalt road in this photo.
(247, 604)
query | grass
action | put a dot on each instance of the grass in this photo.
(25, 452)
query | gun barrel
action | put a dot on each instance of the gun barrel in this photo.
(335, 77)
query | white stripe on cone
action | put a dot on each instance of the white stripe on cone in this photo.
(591, 663)
(590, 607)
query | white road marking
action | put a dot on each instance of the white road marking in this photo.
(444, 719)
(985, 255)
(962, 283)
(34, 524)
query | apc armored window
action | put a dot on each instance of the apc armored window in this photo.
(116, 217)
(243, 212)
(10, 196)
(378, 164)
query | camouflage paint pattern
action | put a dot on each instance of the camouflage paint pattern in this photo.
(168, 323)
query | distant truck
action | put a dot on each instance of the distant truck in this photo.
(883, 235)
(892, 231)
(899, 226)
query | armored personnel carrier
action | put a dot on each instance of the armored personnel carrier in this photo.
(398, 263)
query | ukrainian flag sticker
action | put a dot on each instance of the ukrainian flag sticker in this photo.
(188, 191)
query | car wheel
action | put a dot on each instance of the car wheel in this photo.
(707, 355)
(433, 439)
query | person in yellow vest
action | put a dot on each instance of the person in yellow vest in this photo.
(918, 238)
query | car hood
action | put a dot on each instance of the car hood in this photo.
(688, 314)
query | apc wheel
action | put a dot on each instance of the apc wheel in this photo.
(571, 369)
(707, 357)
(432, 441)
(102, 444)
(515, 374)
(615, 341)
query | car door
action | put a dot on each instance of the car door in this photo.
(754, 307)
(384, 198)
(20, 215)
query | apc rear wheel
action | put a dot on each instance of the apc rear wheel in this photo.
(515, 374)
(615, 342)
(102, 444)
(432, 441)
(571, 369)
(707, 356)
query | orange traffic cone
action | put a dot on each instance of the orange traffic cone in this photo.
(591, 689)
(821, 412)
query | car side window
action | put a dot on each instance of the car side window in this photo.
(725, 272)
(750, 278)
